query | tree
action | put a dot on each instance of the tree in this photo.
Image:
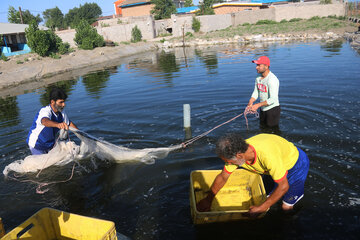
(163, 9)
(14, 16)
(86, 36)
(53, 18)
(188, 3)
(44, 42)
(89, 12)
(206, 8)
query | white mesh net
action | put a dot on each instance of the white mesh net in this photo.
(67, 151)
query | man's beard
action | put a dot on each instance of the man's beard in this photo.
(58, 107)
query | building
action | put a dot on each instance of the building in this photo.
(14, 40)
(231, 7)
(118, 10)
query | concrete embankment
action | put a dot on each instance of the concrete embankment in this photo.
(35, 72)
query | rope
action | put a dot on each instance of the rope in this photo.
(43, 184)
(247, 111)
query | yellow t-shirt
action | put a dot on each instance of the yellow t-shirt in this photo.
(274, 156)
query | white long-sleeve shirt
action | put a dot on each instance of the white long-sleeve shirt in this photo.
(267, 89)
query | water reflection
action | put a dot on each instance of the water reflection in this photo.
(95, 82)
(209, 59)
(67, 86)
(161, 62)
(332, 46)
(9, 112)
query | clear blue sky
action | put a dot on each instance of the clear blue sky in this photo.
(38, 6)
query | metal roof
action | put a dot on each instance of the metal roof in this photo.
(13, 28)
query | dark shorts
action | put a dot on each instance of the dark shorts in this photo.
(296, 177)
(270, 117)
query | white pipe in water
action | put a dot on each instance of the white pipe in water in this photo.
(187, 116)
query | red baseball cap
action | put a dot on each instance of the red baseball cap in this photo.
(262, 60)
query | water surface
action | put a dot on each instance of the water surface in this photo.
(138, 104)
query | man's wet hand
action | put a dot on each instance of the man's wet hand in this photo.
(63, 125)
(204, 205)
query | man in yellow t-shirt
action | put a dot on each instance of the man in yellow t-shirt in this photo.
(264, 154)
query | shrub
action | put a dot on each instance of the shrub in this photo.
(246, 24)
(119, 21)
(4, 58)
(314, 18)
(86, 36)
(136, 34)
(19, 62)
(43, 42)
(189, 34)
(261, 22)
(196, 24)
(295, 20)
(55, 56)
(325, 1)
(63, 48)
(283, 21)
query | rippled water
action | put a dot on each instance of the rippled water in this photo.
(138, 103)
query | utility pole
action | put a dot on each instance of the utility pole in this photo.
(21, 18)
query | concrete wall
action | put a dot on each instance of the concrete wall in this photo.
(161, 26)
(149, 28)
(122, 32)
(253, 16)
(308, 11)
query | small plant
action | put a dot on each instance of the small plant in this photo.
(295, 20)
(189, 34)
(325, 1)
(55, 56)
(26, 59)
(196, 24)
(262, 22)
(283, 21)
(162, 40)
(116, 43)
(119, 21)
(314, 18)
(105, 25)
(246, 24)
(136, 35)
(19, 62)
(4, 58)
(125, 43)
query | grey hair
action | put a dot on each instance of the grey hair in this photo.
(231, 144)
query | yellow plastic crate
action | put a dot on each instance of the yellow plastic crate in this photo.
(52, 224)
(242, 190)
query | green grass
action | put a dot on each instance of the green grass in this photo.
(292, 26)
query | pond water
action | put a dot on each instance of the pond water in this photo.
(138, 103)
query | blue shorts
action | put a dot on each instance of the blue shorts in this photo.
(296, 177)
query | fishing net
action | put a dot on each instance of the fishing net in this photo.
(66, 151)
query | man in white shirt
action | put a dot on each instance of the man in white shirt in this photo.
(47, 122)
(267, 90)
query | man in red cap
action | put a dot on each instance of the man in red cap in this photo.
(267, 90)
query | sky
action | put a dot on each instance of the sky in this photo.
(38, 6)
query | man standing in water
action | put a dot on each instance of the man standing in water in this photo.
(47, 122)
(263, 154)
(267, 89)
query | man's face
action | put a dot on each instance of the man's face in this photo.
(261, 68)
(237, 160)
(59, 104)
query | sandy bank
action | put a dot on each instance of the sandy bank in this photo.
(37, 72)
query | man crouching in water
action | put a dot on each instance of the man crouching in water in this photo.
(267, 154)
(49, 120)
